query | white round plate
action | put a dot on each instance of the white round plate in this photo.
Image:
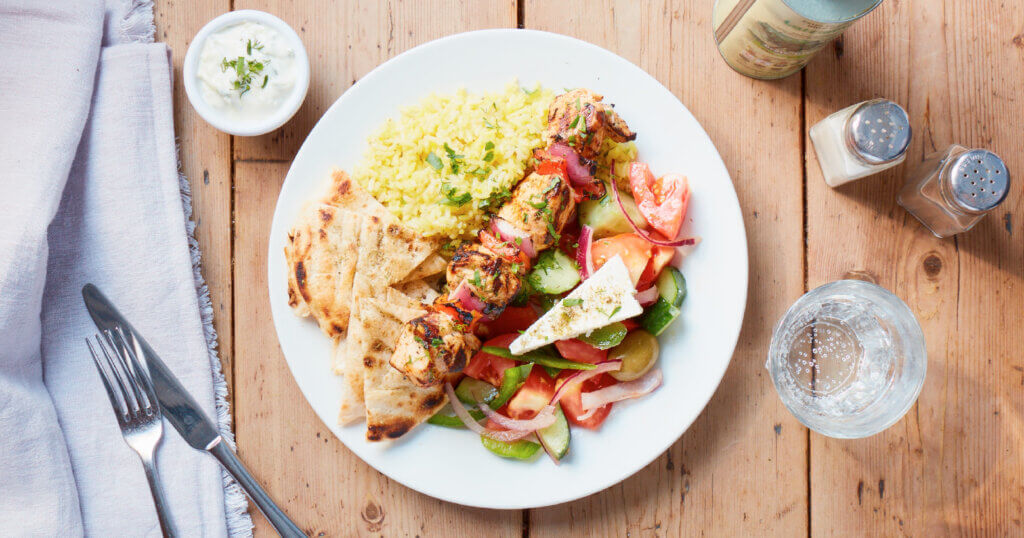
(696, 349)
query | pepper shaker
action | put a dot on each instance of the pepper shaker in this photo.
(861, 140)
(954, 189)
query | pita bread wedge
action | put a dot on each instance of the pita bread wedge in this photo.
(344, 193)
(386, 252)
(322, 257)
(394, 405)
(419, 290)
(351, 408)
(433, 265)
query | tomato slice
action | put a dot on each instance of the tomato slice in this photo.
(661, 256)
(634, 250)
(631, 324)
(577, 350)
(552, 166)
(534, 395)
(491, 368)
(663, 201)
(511, 321)
(572, 406)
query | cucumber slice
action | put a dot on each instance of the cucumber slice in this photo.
(520, 450)
(606, 337)
(555, 272)
(660, 316)
(555, 438)
(672, 286)
(473, 391)
(605, 217)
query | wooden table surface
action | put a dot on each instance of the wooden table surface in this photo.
(952, 466)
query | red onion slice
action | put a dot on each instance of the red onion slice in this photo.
(583, 375)
(583, 253)
(579, 173)
(545, 418)
(464, 416)
(621, 391)
(639, 231)
(509, 233)
(648, 296)
(464, 295)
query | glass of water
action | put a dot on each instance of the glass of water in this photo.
(848, 359)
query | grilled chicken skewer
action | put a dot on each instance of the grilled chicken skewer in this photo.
(485, 275)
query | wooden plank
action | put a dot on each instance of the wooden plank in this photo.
(741, 468)
(952, 466)
(206, 161)
(319, 483)
(347, 39)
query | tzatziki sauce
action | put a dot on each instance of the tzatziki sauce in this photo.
(246, 71)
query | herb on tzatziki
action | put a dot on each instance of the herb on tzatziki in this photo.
(246, 70)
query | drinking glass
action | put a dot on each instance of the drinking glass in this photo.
(848, 359)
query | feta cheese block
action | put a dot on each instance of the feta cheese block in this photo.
(604, 298)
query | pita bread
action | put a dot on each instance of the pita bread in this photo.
(433, 265)
(386, 252)
(321, 265)
(394, 405)
(346, 194)
(352, 408)
(419, 290)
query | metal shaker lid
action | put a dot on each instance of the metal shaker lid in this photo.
(878, 131)
(979, 180)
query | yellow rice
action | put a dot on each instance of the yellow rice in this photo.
(400, 165)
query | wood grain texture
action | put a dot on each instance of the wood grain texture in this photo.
(323, 486)
(347, 39)
(953, 465)
(741, 468)
(206, 161)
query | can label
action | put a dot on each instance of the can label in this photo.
(768, 39)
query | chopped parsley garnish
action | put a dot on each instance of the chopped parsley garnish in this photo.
(434, 161)
(250, 44)
(575, 122)
(496, 198)
(454, 158)
(573, 302)
(476, 278)
(452, 198)
(489, 146)
(551, 230)
(532, 92)
(436, 341)
(515, 267)
(265, 79)
(616, 311)
(543, 204)
(489, 156)
(552, 186)
(489, 125)
(244, 71)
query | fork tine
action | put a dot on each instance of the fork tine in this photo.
(142, 384)
(118, 368)
(119, 408)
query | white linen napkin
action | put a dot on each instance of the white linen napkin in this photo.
(84, 81)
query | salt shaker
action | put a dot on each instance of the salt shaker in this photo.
(954, 189)
(861, 140)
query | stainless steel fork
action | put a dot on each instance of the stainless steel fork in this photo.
(138, 411)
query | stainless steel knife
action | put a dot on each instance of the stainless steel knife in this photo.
(183, 412)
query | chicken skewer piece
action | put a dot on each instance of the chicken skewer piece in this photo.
(485, 275)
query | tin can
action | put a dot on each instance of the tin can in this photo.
(771, 39)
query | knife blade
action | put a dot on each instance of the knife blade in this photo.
(184, 413)
(179, 407)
